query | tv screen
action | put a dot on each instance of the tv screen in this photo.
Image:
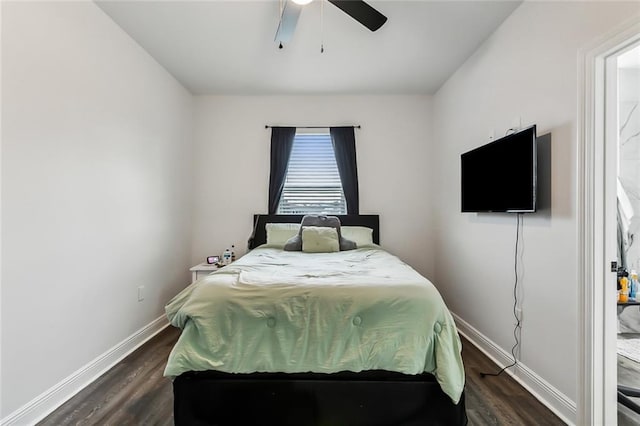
(501, 176)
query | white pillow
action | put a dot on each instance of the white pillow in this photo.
(279, 233)
(320, 239)
(361, 235)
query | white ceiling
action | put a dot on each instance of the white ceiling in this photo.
(227, 47)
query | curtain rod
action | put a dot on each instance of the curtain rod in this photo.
(312, 127)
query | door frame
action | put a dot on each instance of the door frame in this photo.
(597, 327)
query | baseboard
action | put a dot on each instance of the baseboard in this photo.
(556, 401)
(45, 403)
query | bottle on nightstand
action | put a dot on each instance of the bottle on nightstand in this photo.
(623, 285)
(633, 286)
(226, 257)
(233, 253)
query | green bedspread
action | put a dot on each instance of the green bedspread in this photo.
(293, 312)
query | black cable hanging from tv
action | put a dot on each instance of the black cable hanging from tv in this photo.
(518, 327)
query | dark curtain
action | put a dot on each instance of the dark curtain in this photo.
(344, 146)
(281, 144)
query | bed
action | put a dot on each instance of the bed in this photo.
(292, 338)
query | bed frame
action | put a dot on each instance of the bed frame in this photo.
(259, 235)
(367, 398)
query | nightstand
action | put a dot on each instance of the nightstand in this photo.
(201, 270)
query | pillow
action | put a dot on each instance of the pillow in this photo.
(361, 235)
(279, 233)
(295, 243)
(320, 239)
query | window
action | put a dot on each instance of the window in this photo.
(312, 184)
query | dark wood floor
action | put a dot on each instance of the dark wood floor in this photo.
(499, 400)
(134, 392)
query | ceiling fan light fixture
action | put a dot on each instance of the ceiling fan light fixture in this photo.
(359, 10)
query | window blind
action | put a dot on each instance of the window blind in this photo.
(312, 184)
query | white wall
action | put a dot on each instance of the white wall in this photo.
(96, 184)
(527, 69)
(232, 165)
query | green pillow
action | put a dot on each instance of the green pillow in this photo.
(361, 235)
(320, 239)
(279, 233)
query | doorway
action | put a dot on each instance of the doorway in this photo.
(628, 230)
(597, 218)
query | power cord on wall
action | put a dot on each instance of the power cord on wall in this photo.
(518, 326)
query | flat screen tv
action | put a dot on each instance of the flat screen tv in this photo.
(501, 175)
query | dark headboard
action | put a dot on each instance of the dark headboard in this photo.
(259, 235)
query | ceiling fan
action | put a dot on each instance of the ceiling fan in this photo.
(357, 9)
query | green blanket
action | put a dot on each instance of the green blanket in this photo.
(293, 312)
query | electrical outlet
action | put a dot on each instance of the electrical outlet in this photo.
(140, 293)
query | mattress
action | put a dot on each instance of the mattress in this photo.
(296, 312)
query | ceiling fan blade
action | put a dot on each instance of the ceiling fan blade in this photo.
(361, 12)
(288, 21)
